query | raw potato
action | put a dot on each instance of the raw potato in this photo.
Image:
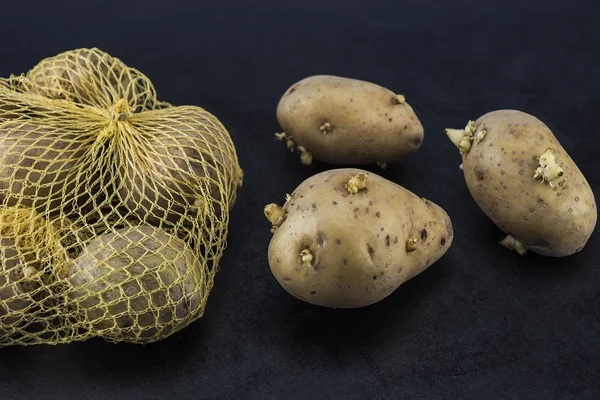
(200, 162)
(346, 121)
(347, 238)
(91, 77)
(37, 167)
(15, 289)
(526, 183)
(138, 282)
(28, 244)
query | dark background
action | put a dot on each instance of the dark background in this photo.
(482, 323)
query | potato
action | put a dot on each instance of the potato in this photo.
(38, 166)
(15, 287)
(136, 284)
(28, 243)
(346, 121)
(9, 104)
(526, 183)
(346, 238)
(91, 77)
(185, 151)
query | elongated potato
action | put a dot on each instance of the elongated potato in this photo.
(346, 238)
(523, 180)
(347, 121)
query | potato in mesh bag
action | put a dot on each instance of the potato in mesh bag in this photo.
(180, 145)
(91, 77)
(31, 257)
(137, 284)
(38, 164)
(150, 185)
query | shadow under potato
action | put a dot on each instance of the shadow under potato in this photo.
(103, 361)
(335, 328)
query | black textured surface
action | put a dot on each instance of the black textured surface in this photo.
(482, 323)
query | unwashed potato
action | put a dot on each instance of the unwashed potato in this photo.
(136, 284)
(526, 183)
(16, 268)
(347, 121)
(186, 163)
(28, 243)
(10, 106)
(38, 166)
(346, 238)
(91, 77)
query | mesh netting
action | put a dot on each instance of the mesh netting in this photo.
(114, 206)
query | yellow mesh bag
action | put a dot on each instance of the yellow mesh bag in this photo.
(114, 206)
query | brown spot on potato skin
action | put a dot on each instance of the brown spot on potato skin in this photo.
(338, 242)
(344, 262)
(334, 203)
(387, 240)
(321, 238)
(377, 214)
(478, 173)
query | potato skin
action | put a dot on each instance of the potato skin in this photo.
(189, 156)
(499, 171)
(358, 241)
(38, 167)
(82, 76)
(15, 291)
(367, 124)
(136, 284)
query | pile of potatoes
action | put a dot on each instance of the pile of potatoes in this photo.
(347, 238)
(114, 206)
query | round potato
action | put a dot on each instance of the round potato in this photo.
(38, 166)
(136, 284)
(186, 157)
(526, 183)
(347, 121)
(346, 238)
(91, 77)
